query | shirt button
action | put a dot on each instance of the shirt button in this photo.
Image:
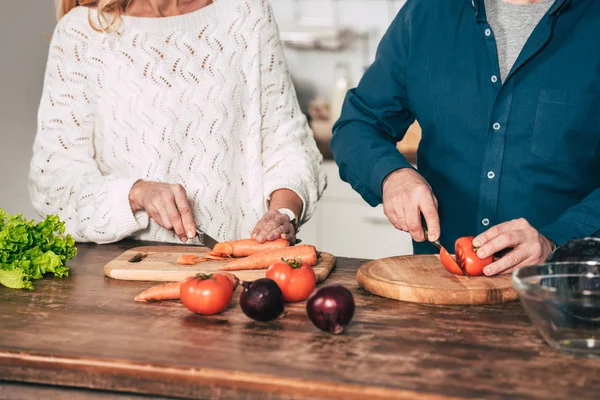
(496, 126)
(494, 78)
(485, 222)
(491, 175)
(488, 32)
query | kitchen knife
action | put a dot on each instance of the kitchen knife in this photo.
(205, 239)
(437, 244)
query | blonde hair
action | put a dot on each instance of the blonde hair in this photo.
(109, 11)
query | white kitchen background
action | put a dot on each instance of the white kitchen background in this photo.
(344, 224)
(314, 71)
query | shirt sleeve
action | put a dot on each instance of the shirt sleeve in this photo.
(581, 220)
(291, 159)
(64, 177)
(375, 116)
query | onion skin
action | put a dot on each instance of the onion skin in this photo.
(261, 300)
(331, 309)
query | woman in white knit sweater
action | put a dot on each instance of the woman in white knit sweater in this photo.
(159, 115)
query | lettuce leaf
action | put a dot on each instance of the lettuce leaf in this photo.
(29, 251)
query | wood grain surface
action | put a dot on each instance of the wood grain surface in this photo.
(423, 279)
(86, 332)
(160, 264)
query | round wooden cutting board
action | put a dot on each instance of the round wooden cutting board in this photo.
(423, 279)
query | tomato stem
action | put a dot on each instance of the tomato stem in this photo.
(294, 263)
(204, 277)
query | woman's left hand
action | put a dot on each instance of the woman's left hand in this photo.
(274, 225)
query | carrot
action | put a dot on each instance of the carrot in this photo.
(166, 291)
(188, 259)
(171, 291)
(211, 256)
(305, 253)
(247, 247)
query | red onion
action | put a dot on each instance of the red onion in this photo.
(331, 308)
(261, 300)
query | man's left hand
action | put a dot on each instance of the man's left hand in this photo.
(529, 247)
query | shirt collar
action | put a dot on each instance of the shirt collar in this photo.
(478, 6)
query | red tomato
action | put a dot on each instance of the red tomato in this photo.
(466, 255)
(207, 294)
(448, 262)
(296, 280)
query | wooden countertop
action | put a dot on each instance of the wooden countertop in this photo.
(86, 332)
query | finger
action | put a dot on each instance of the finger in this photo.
(507, 262)
(187, 217)
(290, 236)
(164, 218)
(277, 232)
(153, 214)
(175, 219)
(393, 218)
(273, 224)
(260, 225)
(494, 231)
(501, 242)
(432, 218)
(412, 213)
(510, 270)
(390, 211)
(402, 223)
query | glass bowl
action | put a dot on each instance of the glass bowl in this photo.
(563, 301)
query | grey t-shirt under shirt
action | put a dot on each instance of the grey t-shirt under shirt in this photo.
(512, 25)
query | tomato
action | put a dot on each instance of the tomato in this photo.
(466, 255)
(208, 294)
(296, 280)
(448, 262)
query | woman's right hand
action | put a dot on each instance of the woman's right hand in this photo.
(166, 204)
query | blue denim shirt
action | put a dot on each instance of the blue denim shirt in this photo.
(492, 151)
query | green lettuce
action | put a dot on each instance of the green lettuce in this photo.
(29, 251)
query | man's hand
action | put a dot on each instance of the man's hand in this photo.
(529, 247)
(166, 204)
(406, 195)
(274, 225)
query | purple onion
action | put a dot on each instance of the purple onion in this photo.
(331, 308)
(261, 300)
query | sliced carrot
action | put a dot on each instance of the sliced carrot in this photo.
(211, 256)
(190, 259)
(247, 247)
(304, 253)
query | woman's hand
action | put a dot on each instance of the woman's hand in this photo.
(274, 225)
(166, 204)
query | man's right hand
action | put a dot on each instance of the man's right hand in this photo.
(406, 194)
(166, 204)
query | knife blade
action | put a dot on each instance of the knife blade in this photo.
(437, 244)
(205, 239)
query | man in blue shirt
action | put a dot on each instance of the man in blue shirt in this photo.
(510, 145)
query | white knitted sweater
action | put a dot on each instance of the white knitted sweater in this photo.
(202, 99)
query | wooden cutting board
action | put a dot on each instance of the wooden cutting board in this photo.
(160, 264)
(423, 279)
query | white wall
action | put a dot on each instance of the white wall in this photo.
(24, 26)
